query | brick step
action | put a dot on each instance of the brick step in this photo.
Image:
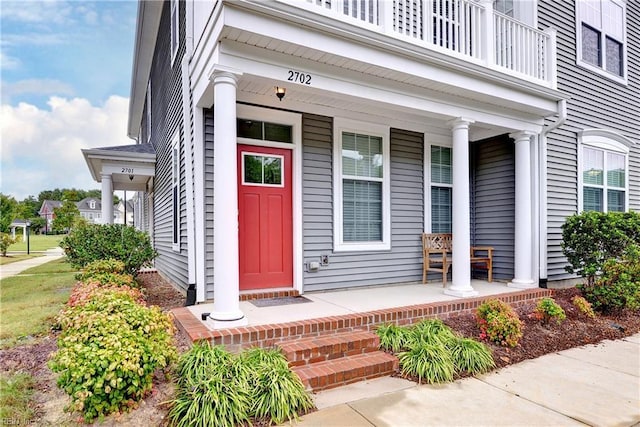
(346, 370)
(327, 347)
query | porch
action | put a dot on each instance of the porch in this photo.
(334, 312)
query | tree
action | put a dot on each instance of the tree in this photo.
(65, 216)
(28, 208)
(8, 211)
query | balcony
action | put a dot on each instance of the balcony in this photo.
(466, 29)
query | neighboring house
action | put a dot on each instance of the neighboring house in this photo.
(46, 212)
(90, 209)
(124, 209)
(307, 145)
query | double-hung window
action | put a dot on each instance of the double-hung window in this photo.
(603, 174)
(175, 191)
(175, 29)
(601, 35)
(441, 189)
(361, 187)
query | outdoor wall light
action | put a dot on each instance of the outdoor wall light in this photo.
(280, 91)
(130, 177)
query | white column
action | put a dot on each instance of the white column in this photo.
(226, 304)
(107, 199)
(461, 227)
(523, 239)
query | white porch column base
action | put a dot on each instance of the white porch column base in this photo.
(461, 229)
(222, 324)
(107, 199)
(522, 284)
(523, 238)
(226, 285)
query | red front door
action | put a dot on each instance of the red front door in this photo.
(265, 217)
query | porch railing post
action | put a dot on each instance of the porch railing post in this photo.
(488, 33)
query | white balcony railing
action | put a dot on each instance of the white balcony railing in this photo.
(470, 29)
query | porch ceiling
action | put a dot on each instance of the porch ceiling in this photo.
(132, 167)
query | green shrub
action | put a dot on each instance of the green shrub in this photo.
(107, 353)
(216, 388)
(5, 241)
(277, 393)
(95, 242)
(583, 306)
(499, 323)
(547, 309)
(84, 292)
(618, 287)
(431, 351)
(393, 338)
(591, 238)
(431, 362)
(471, 356)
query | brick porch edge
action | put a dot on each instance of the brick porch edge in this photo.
(235, 339)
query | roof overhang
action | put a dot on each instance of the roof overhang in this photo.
(131, 167)
(147, 24)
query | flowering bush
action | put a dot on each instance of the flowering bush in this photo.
(108, 350)
(84, 292)
(583, 306)
(548, 309)
(499, 323)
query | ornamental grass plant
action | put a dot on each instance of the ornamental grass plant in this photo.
(431, 352)
(217, 388)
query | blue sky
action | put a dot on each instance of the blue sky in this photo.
(66, 72)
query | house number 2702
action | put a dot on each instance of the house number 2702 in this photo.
(298, 77)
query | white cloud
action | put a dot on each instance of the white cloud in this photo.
(49, 11)
(8, 62)
(41, 87)
(41, 147)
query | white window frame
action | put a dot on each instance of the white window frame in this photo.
(438, 141)
(175, 191)
(341, 125)
(432, 184)
(148, 127)
(603, 37)
(175, 29)
(607, 142)
(262, 184)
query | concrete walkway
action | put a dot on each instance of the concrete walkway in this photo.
(596, 385)
(18, 267)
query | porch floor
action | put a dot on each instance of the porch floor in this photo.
(343, 310)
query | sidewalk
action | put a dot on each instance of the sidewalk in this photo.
(18, 267)
(597, 385)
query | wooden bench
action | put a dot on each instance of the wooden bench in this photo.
(436, 255)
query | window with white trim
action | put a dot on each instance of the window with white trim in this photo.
(148, 127)
(361, 187)
(603, 175)
(175, 29)
(601, 36)
(441, 189)
(175, 190)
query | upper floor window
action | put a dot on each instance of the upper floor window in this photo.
(92, 204)
(603, 172)
(361, 187)
(175, 29)
(601, 36)
(148, 127)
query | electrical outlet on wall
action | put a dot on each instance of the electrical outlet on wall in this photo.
(324, 260)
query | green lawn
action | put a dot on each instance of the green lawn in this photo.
(37, 242)
(32, 299)
(16, 390)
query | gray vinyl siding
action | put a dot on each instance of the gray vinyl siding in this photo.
(208, 202)
(594, 102)
(403, 263)
(166, 119)
(493, 201)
